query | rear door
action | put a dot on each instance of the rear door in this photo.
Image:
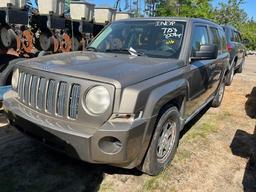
(240, 47)
(217, 67)
(200, 75)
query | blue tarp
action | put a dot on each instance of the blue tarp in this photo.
(3, 90)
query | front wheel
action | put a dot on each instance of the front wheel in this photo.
(164, 142)
(219, 96)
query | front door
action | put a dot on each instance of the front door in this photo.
(201, 76)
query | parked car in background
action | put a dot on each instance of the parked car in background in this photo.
(250, 52)
(124, 101)
(237, 52)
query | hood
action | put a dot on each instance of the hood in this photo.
(119, 69)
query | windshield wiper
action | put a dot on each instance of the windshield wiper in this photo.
(135, 53)
(130, 51)
(91, 49)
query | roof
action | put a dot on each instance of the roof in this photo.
(229, 26)
(185, 19)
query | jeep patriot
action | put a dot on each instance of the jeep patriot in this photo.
(126, 99)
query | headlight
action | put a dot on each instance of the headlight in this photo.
(15, 78)
(97, 100)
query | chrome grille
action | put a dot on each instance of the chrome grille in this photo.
(21, 85)
(74, 101)
(41, 93)
(61, 98)
(26, 88)
(33, 91)
(49, 95)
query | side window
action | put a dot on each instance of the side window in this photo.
(223, 40)
(215, 38)
(237, 37)
(232, 35)
(200, 37)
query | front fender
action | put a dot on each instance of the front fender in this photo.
(158, 98)
(164, 94)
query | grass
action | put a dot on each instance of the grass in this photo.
(151, 184)
(201, 131)
(182, 155)
(106, 187)
(159, 183)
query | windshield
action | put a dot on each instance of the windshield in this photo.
(161, 38)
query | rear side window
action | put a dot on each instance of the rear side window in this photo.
(223, 40)
(200, 37)
(215, 38)
(237, 37)
(232, 36)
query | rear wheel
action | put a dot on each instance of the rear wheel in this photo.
(219, 96)
(241, 67)
(230, 76)
(164, 142)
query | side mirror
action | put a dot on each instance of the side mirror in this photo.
(206, 51)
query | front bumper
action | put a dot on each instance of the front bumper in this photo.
(94, 145)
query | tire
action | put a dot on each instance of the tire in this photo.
(219, 96)
(166, 135)
(241, 67)
(230, 76)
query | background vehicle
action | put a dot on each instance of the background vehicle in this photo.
(125, 101)
(237, 52)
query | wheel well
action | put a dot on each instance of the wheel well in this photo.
(226, 73)
(235, 60)
(176, 102)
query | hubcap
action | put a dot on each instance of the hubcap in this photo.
(166, 141)
(232, 73)
(221, 92)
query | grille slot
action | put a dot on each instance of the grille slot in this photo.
(49, 95)
(27, 88)
(61, 98)
(21, 85)
(74, 101)
(33, 90)
(41, 93)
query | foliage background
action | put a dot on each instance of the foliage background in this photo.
(225, 13)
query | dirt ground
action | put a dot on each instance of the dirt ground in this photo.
(217, 152)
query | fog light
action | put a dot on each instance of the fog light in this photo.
(110, 145)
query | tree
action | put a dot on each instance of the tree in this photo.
(230, 13)
(248, 31)
(185, 8)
